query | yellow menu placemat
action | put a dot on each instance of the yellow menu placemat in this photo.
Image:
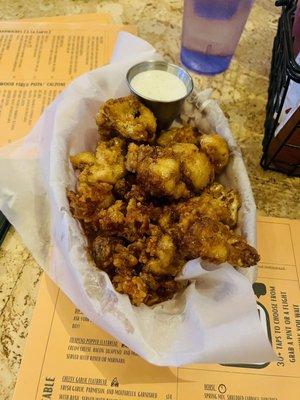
(68, 358)
(37, 61)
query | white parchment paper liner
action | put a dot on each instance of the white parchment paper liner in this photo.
(215, 320)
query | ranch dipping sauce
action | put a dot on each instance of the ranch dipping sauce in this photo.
(162, 87)
(158, 85)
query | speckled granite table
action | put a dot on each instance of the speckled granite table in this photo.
(242, 92)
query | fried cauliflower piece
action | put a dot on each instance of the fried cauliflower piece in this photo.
(144, 288)
(213, 241)
(128, 274)
(127, 188)
(89, 200)
(123, 259)
(221, 203)
(216, 149)
(103, 249)
(215, 202)
(195, 165)
(134, 287)
(106, 166)
(110, 162)
(122, 187)
(158, 255)
(110, 254)
(97, 174)
(137, 220)
(166, 288)
(168, 217)
(128, 117)
(81, 160)
(136, 192)
(112, 219)
(130, 221)
(157, 169)
(185, 134)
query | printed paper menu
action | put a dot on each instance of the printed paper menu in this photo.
(37, 61)
(69, 358)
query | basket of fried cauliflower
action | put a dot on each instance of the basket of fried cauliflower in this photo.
(148, 202)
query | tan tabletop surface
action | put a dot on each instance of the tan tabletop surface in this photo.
(242, 92)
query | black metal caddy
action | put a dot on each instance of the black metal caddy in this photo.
(282, 153)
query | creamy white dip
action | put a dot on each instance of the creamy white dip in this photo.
(158, 85)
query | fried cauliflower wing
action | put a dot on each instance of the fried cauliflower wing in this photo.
(168, 217)
(134, 287)
(82, 160)
(185, 134)
(128, 220)
(221, 203)
(103, 250)
(195, 165)
(97, 174)
(137, 220)
(215, 202)
(165, 289)
(89, 200)
(128, 117)
(122, 187)
(111, 254)
(110, 162)
(112, 219)
(158, 255)
(106, 166)
(213, 241)
(158, 171)
(127, 188)
(216, 149)
(130, 267)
